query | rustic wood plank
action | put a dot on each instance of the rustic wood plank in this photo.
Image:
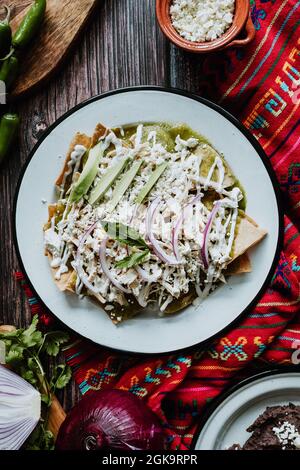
(186, 70)
(121, 46)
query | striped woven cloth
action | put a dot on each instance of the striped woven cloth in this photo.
(261, 85)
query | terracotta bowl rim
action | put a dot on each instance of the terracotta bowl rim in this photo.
(240, 18)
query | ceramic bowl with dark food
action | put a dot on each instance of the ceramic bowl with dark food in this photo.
(260, 413)
(239, 34)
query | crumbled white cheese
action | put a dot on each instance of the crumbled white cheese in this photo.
(202, 20)
(287, 433)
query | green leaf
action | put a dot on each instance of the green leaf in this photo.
(133, 260)
(53, 341)
(32, 365)
(46, 399)
(124, 234)
(31, 337)
(28, 375)
(48, 440)
(15, 354)
(61, 377)
(40, 439)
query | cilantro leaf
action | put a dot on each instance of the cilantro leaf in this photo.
(52, 342)
(61, 377)
(28, 375)
(124, 234)
(14, 354)
(40, 439)
(46, 399)
(133, 260)
(31, 337)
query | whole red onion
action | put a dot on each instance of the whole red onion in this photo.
(110, 419)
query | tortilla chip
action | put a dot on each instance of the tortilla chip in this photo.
(99, 132)
(86, 141)
(79, 139)
(51, 211)
(249, 234)
(240, 265)
(63, 283)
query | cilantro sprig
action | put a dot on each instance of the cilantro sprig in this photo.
(133, 259)
(130, 237)
(25, 350)
(124, 234)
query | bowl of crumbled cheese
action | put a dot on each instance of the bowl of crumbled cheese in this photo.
(206, 25)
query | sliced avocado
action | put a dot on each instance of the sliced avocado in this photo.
(88, 174)
(107, 180)
(124, 184)
(151, 182)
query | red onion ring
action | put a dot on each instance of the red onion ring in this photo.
(105, 268)
(160, 253)
(204, 249)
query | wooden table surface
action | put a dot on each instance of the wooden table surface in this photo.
(121, 46)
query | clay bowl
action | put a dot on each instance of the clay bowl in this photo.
(240, 33)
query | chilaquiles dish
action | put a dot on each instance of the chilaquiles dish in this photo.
(147, 216)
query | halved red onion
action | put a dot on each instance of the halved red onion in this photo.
(204, 249)
(176, 229)
(106, 269)
(110, 419)
(158, 250)
(78, 263)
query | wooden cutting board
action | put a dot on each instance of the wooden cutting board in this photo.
(64, 21)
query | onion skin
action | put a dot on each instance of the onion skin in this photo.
(110, 419)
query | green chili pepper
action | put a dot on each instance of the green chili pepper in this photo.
(9, 71)
(5, 34)
(9, 125)
(30, 24)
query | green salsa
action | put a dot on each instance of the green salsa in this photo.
(166, 134)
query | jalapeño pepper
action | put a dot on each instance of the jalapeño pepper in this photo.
(30, 24)
(5, 34)
(9, 71)
(8, 128)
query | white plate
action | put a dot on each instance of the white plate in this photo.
(228, 422)
(148, 333)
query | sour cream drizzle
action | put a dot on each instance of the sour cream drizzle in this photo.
(73, 164)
